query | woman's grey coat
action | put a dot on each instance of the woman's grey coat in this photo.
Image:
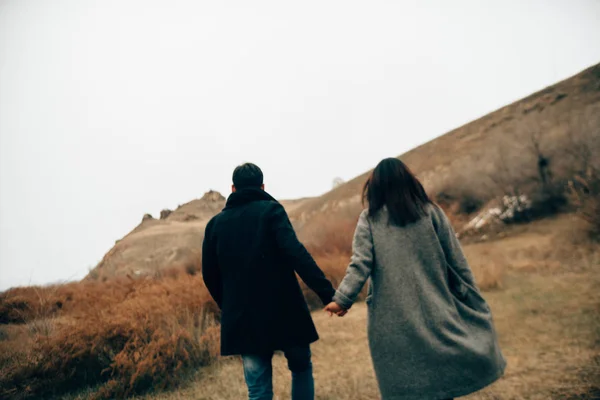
(431, 333)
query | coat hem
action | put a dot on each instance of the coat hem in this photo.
(239, 352)
(464, 391)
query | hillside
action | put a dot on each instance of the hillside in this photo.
(469, 159)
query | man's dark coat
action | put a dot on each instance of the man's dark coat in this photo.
(249, 258)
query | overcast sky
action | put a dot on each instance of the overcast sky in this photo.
(112, 109)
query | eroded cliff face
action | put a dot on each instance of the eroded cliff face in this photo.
(171, 241)
(174, 240)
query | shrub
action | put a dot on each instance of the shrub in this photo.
(158, 333)
(21, 305)
(545, 204)
(41, 326)
(461, 198)
(470, 203)
(584, 194)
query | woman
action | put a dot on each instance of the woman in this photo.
(431, 333)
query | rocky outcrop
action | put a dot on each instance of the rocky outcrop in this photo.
(147, 217)
(165, 213)
(213, 197)
(155, 244)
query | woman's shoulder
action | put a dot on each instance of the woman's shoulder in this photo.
(434, 209)
(364, 217)
(368, 217)
(370, 220)
(437, 215)
(433, 215)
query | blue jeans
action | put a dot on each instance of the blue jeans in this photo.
(258, 373)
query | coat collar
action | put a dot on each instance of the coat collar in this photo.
(245, 196)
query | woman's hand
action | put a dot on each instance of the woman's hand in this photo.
(335, 308)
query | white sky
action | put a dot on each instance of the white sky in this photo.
(111, 109)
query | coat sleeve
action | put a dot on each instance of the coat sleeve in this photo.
(298, 257)
(455, 256)
(210, 266)
(360, 266)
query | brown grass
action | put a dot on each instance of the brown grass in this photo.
(149, 336)
(488, 268)
(546, 318)
(547, 331)
(127, 336)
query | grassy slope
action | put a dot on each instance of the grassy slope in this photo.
(468, 155)
(546, 317)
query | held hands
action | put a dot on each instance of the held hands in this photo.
(334, 308)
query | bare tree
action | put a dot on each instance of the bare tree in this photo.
(508, 175)
(544, 173)
(583, 142)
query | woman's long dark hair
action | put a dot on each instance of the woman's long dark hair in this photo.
(392, 184)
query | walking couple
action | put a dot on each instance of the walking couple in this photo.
(430, 332)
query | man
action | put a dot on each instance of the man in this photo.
(249, 258)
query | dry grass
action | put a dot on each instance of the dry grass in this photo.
(550, 341)
(125, 336)
(546, 318)
(148, 337)
(488, 268)
(585, 195)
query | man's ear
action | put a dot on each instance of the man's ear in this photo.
(262, 186)
(232, 188)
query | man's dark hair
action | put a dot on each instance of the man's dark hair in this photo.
(247, 175)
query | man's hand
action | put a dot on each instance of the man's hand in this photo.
(335, 308)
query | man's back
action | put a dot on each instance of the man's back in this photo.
(250, 256)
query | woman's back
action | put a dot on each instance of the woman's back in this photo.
(430, 332)
(409, 272)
